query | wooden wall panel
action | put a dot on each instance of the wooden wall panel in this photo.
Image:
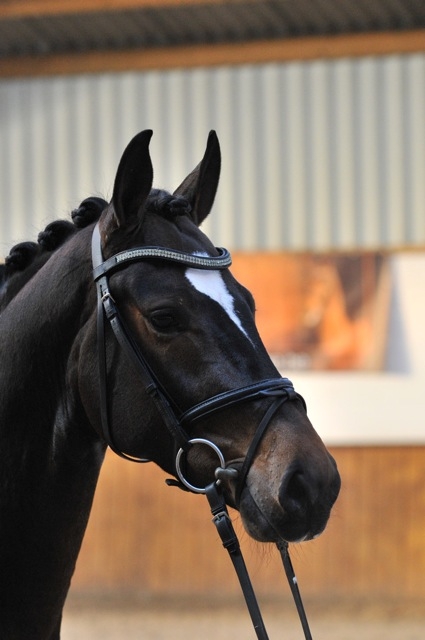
(147, 538)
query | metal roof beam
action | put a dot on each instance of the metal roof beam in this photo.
(40, 8)
(310, 48)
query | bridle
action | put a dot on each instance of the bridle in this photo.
(280, 390)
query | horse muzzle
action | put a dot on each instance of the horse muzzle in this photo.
(296, 509)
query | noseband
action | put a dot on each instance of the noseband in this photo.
(279, 390)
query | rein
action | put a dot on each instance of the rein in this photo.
(279, 390)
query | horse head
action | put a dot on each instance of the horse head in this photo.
(192, 325)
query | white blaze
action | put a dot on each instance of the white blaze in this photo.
(211, 284)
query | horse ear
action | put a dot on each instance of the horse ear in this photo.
(133, 181)
(200, 186)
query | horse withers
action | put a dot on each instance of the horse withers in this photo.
(157, 348)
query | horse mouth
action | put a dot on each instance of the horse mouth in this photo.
(271, 524)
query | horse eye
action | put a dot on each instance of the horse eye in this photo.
(163, 320)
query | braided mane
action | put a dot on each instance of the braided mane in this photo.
(26, 258)
(167, 205)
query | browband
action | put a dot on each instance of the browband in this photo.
(222, 261)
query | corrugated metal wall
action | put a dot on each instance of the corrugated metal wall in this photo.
(317, 155)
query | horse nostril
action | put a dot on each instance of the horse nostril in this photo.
(296, 494)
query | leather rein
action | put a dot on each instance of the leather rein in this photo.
(280, 390)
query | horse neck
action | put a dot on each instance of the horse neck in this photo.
(38, 328)
(50, 457)
(14, 282)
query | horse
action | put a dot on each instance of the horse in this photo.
(134, 334)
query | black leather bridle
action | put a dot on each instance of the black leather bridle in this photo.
(279, 390)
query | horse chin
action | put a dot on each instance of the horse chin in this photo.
(272, 524)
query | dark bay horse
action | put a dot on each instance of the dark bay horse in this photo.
(185, 362)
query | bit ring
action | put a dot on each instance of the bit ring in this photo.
(180, 452)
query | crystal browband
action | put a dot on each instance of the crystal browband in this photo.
(222, 261)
